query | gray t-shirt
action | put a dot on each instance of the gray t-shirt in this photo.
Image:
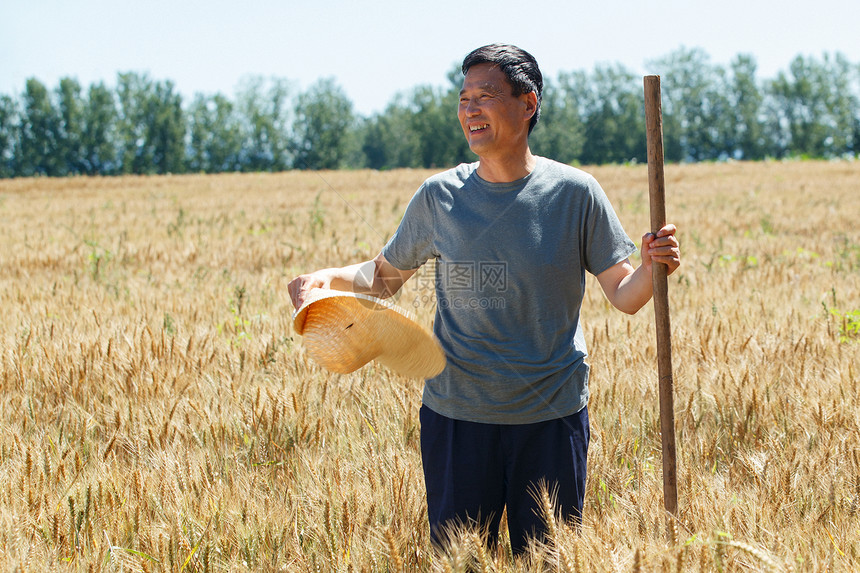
(509, 279)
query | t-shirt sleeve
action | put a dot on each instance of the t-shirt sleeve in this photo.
(606, 242)
(412, 244)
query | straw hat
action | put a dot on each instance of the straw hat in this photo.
(343, 331)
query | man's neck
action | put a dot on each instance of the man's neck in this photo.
(508, 168)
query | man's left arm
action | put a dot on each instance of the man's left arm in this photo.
(628, 289)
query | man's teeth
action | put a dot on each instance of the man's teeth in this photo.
(478, 127)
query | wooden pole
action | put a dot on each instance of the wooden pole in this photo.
(657, 188)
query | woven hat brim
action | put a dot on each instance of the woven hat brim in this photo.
(343, 331)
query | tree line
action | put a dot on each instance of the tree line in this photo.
(710, 112)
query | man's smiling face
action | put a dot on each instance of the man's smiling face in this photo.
(494, 121)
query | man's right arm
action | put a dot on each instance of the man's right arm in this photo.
(376, 277)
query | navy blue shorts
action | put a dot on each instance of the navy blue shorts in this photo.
(473, 471)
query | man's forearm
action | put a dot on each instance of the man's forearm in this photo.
(355, 278)
(633, 291)
(375, 277)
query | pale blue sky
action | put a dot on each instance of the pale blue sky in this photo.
(375, 49)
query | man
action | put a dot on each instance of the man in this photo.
(512, 236)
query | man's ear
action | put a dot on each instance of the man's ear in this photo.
(531, 104)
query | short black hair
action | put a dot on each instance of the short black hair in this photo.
(520, 67)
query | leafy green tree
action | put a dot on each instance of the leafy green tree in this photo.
(216, 135)
(419, 128)
(775, 124)
(559, 133)
(166, 128)
(630, 137)
(70, 104)
(387, 138)
(696, 110)
(39, 133)
(99, 139)
(434, 121)
(798, 109)
(746, 100)
(200, 134)
(613, 111)
(321, 131)
(151, 125)
(8, 135)
(842, 99)
(136, 150)
(264, 116)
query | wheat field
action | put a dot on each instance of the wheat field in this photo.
(157, 412)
